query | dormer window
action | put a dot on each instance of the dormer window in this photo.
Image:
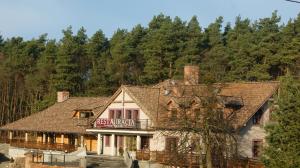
(173, 114)
(86, 114)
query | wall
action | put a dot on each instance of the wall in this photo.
(157, 142)
(251, 132)
(122, 101)
(128, 104)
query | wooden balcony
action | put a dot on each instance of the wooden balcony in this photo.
(20, 143)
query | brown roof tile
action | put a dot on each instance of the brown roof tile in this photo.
(58, 117)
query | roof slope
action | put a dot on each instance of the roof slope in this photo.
(153, 100)
(58, 117)
(254, 95)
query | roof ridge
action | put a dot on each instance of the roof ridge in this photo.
(74, 97)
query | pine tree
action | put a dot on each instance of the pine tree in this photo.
(193, 46)
(163, 45)
(266, 49)
(239, 45)
(68, 75)
(97, 49)
(215, 61)
(283, 150)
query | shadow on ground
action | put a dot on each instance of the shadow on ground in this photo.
(3, 158)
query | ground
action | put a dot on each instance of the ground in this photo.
(4, 160)
(105, 162)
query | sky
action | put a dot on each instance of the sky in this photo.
(31, 18)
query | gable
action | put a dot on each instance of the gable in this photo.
(123, 101)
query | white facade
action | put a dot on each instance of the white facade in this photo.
(118, 136)
(251, 132)
(157, 139)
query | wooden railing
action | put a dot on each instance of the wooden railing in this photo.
(169, 158)
(20, 143)
(191, 160)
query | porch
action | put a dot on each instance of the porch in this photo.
(21, 143)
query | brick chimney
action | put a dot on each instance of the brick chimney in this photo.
(191, 75)
(62, 96)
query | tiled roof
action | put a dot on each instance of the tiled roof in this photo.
(153, 100)
(58, 117)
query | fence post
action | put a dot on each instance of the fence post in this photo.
(64, 160)
(32, 155)
(43, 158)
(51, 158)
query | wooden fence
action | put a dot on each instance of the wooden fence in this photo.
(191, 160)
(20, 143)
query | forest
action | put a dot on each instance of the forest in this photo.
(32, 71)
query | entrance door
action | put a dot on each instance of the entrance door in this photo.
(145, 142)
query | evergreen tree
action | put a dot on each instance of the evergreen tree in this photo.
(283, 150)
(215, 62)
(163, 45)
(68, 76)
(97, 53)
(267, 45)
(239, 46)
(193, 46)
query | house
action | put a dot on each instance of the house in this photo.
(129, 119)
(63, 124)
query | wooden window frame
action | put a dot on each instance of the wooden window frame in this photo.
(135, 113)
(167, 145)
(112, 113)
(259, 147)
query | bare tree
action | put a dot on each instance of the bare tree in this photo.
(197, 116)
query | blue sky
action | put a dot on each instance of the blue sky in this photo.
(31, 18)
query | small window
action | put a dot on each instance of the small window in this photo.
(197, 113)
(107, 140)
(128, 114)
(173, 114)
(86, 114)
(257, 117)
(118, 114)
(171, 144)
(135, 114)
(257, 148)
(111, 114)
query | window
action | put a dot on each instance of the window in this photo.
(111, 114)
(257, 148)
(173, 114)
(171, 144)
(118, 114)
(135, 114)
(107, 140)
(128, 114)
(115, 113)
(257, 117)
(86, 114)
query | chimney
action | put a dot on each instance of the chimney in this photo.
(62, 96)
(191, 75)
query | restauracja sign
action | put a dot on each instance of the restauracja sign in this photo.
(115, 123)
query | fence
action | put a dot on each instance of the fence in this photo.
(55, 159)
(21, 143)
(192, 160)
